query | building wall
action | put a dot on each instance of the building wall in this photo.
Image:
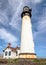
(13, 54)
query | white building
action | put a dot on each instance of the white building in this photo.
(10, 52)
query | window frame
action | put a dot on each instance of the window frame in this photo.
(6, 53)
(9, 53)
(16, 53)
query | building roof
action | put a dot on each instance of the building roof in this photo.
(13, 49)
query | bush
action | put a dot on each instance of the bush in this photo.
(16, 60)
(9, 61)
(36, 60)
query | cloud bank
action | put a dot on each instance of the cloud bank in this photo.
(7, 37)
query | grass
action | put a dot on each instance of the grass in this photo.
(23, 61)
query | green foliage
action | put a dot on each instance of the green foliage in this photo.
(36, 60)
(16, 60)
(9, 61)
(23, 61)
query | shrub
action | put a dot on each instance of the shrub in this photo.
(36, 60)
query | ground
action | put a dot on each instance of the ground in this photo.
(23, 62)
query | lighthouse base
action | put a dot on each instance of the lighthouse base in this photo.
(27, 55)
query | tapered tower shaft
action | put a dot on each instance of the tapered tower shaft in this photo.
(27, 43)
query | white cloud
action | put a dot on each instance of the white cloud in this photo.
(36, 1)
(16, 24)
(15, 4)
(3, 18)
(17, 7)
(8, 37)
(42, 21)
(42, 24)
(43, 47)
(15, 21)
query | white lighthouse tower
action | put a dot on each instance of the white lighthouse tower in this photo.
(27, 44)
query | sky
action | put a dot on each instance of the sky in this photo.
(10, 24)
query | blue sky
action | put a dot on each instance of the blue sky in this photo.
(10, 23)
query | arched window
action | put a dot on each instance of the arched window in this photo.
(9, 53)
(6, 53)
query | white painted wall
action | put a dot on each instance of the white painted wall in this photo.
(27, 43)
(13, 54)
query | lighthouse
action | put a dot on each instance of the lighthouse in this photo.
(27, 43)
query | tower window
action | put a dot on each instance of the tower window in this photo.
(9, 53)
(6, 53)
